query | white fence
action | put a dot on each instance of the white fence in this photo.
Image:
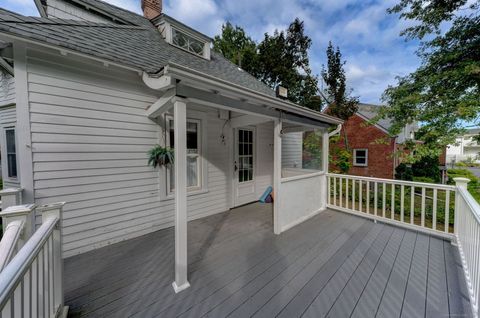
(31, 285)
(423, 206)
(467, 232)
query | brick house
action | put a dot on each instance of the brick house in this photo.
(372, 146)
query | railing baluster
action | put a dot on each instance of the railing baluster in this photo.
(447, 211)
(434, 210)
(341, 191)
(353, 195)
(392, 204)
(384, 199)
(375, 199)
(368, 197)
(423, 207)
(335, 190)
(360, 195)
(402, 203)
(329, 190)
(412, 204)
(346, 193)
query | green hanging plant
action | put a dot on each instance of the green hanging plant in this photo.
(160, 156)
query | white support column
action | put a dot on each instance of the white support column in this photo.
(277, 175)
(325, 150)
(22, 129)
(55, 210)
(180, 123)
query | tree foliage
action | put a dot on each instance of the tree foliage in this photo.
(280, 59)
(341, 105)
(444, 92)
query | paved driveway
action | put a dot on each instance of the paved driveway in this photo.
(476, 171)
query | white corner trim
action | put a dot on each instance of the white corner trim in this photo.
(178, 289)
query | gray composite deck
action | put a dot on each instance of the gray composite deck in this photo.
(334, 265)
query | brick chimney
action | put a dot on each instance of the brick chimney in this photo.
(151, 8)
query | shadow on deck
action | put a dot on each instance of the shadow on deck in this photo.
(335, 265)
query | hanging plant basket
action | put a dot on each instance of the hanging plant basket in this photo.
(160, 156)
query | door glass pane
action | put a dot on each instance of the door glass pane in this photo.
(245, 155)
(192, 171)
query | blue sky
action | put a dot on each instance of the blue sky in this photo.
(368, 37)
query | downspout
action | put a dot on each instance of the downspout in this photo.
(336, 131)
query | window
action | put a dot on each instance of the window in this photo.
(245, 155)
(11, 152)
(193, 154)
(360, 157)
(187, 42)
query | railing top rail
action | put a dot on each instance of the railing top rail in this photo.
(9, 241)
(14, 271)
(400, 182)
(471, 202)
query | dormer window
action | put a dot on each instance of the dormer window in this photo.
(186, 42)
(183, 36)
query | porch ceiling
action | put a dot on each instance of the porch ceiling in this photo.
(334, 264)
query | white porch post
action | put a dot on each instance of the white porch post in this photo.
(277, 175)
(325, 154)
(180, 123)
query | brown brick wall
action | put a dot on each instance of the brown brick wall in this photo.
(380, 155)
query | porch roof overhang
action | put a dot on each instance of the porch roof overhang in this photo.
(199, 88)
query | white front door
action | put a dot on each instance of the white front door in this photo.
(244, 178)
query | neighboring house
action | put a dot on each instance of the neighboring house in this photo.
(373, 148)
(465, 148)
(96, 89)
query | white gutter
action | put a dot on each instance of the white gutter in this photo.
(336, 131)
(181, 72)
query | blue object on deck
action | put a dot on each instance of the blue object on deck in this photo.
(265, 194)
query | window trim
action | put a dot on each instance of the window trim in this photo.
(355, 163)
(202, 186)
(6, 175)
(204, 53)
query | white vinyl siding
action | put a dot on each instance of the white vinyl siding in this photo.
(90, 138)
(264, 158)
(64, 10)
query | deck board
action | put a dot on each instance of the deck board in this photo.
(333, 265)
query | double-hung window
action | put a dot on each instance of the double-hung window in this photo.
(11, 148)
(360, 157)
(194, 166)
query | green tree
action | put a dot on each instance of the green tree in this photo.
(235, 45)
(444, 91)
(280, 59)
(341, 104)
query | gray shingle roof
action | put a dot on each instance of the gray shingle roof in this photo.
(124, 15)
(369, 111)
(140, 47)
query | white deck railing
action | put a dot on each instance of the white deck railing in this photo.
(467, 232)
(9, 242)
(442, 210)
(31, 285)
(423, 206)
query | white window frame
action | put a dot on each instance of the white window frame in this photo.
(202, 164)
(5, 156)
(355, 163)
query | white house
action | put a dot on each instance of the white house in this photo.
(465, 147)
(88, 89)
(92, 92)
